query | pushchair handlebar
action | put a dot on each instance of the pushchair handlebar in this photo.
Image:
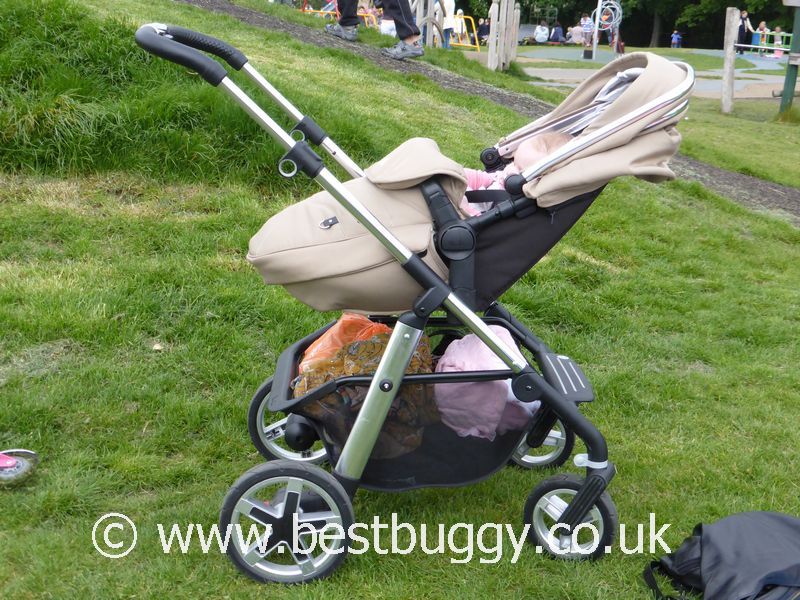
(154, 38)
(181, 45)
(200, 41)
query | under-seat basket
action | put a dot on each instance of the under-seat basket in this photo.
(414, 448)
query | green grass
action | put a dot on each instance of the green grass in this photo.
(452, 60)
(682, 306)
(780, 72)
(792, 115)
(699, 61)
(564, 64)
(749, 141)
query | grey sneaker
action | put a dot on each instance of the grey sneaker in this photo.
(403, 50)
(349, 33)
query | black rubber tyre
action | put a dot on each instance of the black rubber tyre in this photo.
(526, 457)
(324, 495)
(603, 515)
(267, 445)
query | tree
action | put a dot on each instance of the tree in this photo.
(658, 11)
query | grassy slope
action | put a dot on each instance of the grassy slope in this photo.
(450, 60)
(750, 141)
(682, 306)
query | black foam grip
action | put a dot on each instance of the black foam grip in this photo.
(209, 44)
(209, 69)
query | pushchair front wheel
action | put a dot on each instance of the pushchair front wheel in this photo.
(545, 510)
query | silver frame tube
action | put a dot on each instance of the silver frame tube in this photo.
(369, 422)
(325, 178)
(327, 144)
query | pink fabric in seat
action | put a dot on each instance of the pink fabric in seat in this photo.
(481, 409)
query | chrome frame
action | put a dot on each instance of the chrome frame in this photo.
(404, 338)
(327, 144)
(382, 391)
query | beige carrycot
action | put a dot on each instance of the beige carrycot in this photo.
(622, 120)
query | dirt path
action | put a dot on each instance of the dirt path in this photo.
(745, 189)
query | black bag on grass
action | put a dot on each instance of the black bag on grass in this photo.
(741, 557)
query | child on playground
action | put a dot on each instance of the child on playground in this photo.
(528, 154)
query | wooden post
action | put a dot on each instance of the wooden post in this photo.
(512, 56)
(729, 65)
(493, 58)
(507, 8)
(502, 31)
(430, 20)
(418, 8)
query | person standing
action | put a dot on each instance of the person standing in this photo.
(760, 36)
(448, 19)
(588, 27)
(460, 30)
(744, 28)
(398, 11)
(676, 39)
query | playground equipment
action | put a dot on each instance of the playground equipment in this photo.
(466, 39)
(16, 466)
(606, 17)
(425, 17)
(538, 13)
(731, 45)
(330, 10)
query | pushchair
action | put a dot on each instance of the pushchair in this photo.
(392, 243)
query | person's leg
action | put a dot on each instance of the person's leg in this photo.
(400, 11)
(446, 41)
(410, 44)
(347, 13)
(347, 27)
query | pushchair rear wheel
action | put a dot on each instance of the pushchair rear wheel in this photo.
(554, 451)
(274, 513)
(269, 438)
(544, 509)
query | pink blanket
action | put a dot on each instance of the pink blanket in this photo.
(482, 409)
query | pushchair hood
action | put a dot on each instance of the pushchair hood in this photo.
(623, 121)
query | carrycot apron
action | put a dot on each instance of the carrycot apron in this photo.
(325, 258)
